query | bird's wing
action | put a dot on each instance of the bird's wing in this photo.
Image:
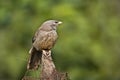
(33, 40)
(35, 36)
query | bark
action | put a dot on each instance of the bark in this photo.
(48, 69)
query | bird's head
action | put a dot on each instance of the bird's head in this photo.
(50, 25)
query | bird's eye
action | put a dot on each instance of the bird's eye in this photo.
(56, 21)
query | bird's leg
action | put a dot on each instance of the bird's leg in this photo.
(47, 52)
(46, 55)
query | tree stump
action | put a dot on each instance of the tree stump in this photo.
(48, 69)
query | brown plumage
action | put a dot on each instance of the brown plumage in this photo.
(44, 39)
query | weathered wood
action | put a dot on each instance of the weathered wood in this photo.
(48, 70)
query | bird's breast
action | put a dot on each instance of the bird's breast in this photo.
(46, 40)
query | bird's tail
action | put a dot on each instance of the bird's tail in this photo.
(35, 59)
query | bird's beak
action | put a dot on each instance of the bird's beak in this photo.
(59, 22)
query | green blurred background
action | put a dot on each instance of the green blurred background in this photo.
(88, 47)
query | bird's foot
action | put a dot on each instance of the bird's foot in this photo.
(47, 52)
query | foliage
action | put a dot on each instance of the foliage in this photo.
(88, 44)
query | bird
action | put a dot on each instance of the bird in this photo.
(44, 39)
